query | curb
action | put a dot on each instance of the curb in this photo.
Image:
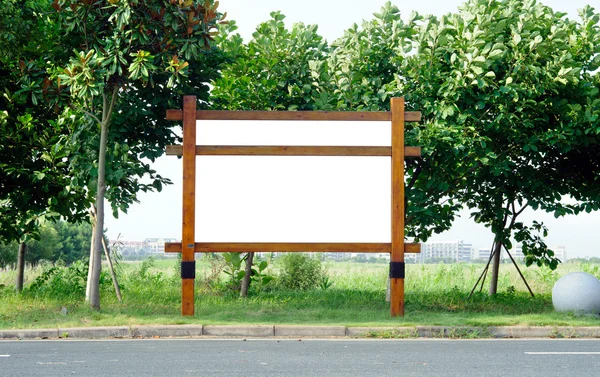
(283, 331)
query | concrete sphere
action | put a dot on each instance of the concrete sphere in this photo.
(577, 292)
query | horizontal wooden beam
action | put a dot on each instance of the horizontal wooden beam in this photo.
(235, 150)
(409, 116)
(296, 247)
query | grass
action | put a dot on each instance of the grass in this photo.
(435, 295)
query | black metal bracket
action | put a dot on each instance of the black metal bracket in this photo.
(188, 270)
(397, 270)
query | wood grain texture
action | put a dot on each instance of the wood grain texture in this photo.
(373, 116)
(187, 297)
(397, 297)
(397, 253)
(189, 200)
(274, 150)
(290, 247)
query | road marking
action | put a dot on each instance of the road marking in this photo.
(562, 353)
(4, 355)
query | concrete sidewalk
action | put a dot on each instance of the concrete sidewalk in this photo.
(288, 331)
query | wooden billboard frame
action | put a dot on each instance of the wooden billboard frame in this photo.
(189, 150)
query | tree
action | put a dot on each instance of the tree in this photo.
(364, 70)
(73, 241)
(34, 173)
(512, 84)
(274, 71)
(131, 61)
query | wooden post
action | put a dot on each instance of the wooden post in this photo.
(397, 252)
(188, 263)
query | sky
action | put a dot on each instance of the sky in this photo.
(310, 199)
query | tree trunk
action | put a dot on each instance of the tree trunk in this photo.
(107, 109)
(90, 264)
(495, 268)
(247, 278)
(20, 267)
(97, 261)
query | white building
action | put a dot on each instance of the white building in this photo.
(560, 252)
(157, 245)
(457, 251)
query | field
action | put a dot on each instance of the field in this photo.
(353, 295)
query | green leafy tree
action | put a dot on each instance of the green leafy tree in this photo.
(105, 72)
(73, 241)
(128, 62)
(34, 170)
(510, 86)
(364, 69)
(277, 70)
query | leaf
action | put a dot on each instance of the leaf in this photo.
(495, 53)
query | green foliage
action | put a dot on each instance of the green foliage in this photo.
(234, 268)
(277, 70)
(435, 295)
(8, 255)
(66, 282)
(260, 277)
(507, 96)
(143, 56)
(33, 160)
(58, 241)
(146, 273)
(299, 271)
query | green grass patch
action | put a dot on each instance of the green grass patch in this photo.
(435, 295)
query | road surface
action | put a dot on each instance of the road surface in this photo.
(293, 357)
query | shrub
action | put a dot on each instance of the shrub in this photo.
(64, 281)
(300, 271)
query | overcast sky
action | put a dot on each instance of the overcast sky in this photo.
(310, 199)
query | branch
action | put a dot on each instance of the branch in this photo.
(87, 10)
(104, 106)
(87, 112)
(522, 209)
(413, 179)
(112, 102)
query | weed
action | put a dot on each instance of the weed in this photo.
(299, 271)
(397, 333)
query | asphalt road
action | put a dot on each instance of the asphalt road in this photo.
(236, 357)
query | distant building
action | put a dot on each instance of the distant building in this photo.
(126, 247)
(517, 254)
(456, 251)
(482, 254)
(157, 245)
(560, 252)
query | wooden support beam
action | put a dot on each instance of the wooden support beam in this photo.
(294, 247)
(273, 150)
(189, 201)
(377, 116)
(397, 253)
